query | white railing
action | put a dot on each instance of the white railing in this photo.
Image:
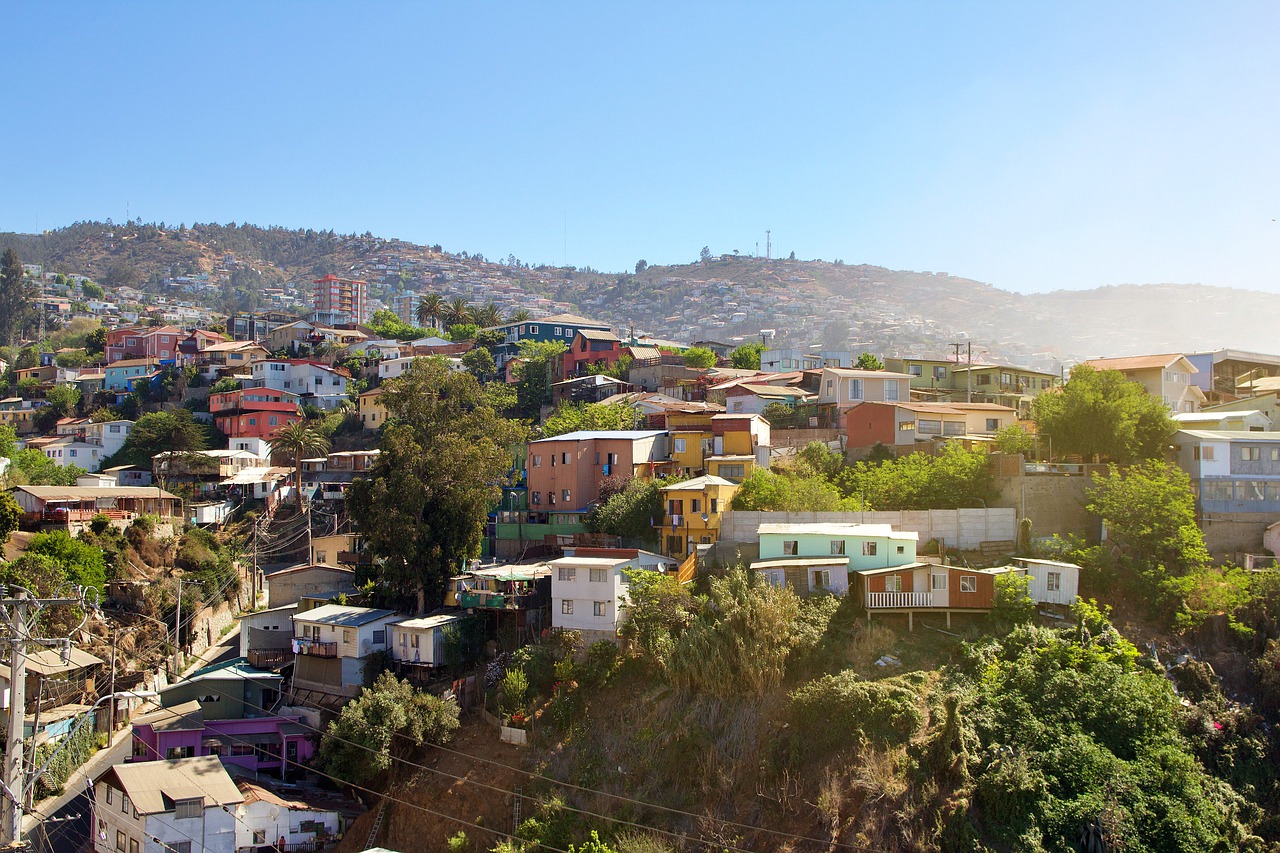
(899, 599)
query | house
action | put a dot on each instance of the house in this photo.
(120, 375)
(739, 445)
(1228, 373)
(925, 373)
(254, 412)
(52, 682)
(204, 470)
(370, 409)
(565, 471)
(263, 744)
(999, 384)
(588, 389)
(418, 644)
(589, 586)
(1266, 403)
(908, 427)
(753, 397)
(327, 478)
(780, 360)
(316, 383)
(512, 597)
(801, 555)
(557, 327)
(694, 509)
(289, 585)
(1224, 420)
(266, 636)
(289, 337)
(1167, 377)
(169, 806)
(19, 414)
(590, 348)
(151, 344)
(81, 503)
(1236, 480)
(926, 588)
(1050, 581)
(230, 357)
(332, 643)
(292, 819)
(842, 387)
(230, 690)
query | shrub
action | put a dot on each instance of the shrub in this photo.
(99, 524)
(838, 712)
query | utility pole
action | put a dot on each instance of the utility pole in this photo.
(19, 612)
(177, 634)
(768, 245)
(968, 377)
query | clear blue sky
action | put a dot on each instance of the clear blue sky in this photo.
(1030, 145)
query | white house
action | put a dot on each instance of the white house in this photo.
(268, 819)
(331, 644)
(421, 640)
(317, 383)
(180, 805)
(1243, 420)
(1050, 581)
(589, 587)
(390, 368)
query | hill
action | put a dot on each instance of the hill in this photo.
(730, 298)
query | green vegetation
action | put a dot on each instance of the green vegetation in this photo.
(174, 431)
(571, 417)
(699, 357)
(386, 324)
(628, 508)
(298, 441)
(16, 293)
(445, 456)
(868, 361)
(1100, 414)
(30, 467)
(747, 356)
(10, 514)
(534, 374)
(80, 562)
(380, 724)
(1014, 439)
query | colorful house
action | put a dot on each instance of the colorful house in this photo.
(819, 557)
(254, 412)
(694, 509)
(261, 744)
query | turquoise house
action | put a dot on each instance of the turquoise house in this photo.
(819, 557)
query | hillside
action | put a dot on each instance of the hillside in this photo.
(891, 312)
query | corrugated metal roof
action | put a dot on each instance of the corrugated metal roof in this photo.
(150, 783)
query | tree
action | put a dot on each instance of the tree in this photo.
(533, 374)
(488, 315)
(1150, 514)
(430, 308)
(641, 266)
(1099, 413)
(298, 441)
(60, 401)
(10, 513)
(954, 478)
(571, 417)
(699, 357)
(445, 457)
(799, 491)
(91, 290)
(629, 513)
(15, 298)
(459, 332)
(705, 254)
(386, 721)
(1014, 439)
(867, 361)
(122, 273)
(96, 341)
(747, 356)
(8, 441)
(520, 315)
(782, 416)
(160, 432)
(457, 311)
(31, 467)
(481, 364)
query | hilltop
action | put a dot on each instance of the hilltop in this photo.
(728, 298)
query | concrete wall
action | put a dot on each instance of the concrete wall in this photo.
(1055, 503)
(965, 529)
(1225, 535)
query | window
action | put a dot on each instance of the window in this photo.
(379, 637)
(178, 847)
(558, 332)
(565, 496)
(1208, 453)
(176, 752)
(907, 426)
(119, 840)
(929, 427)
(821, 579)
(730, 472)
(599, 576)
(695, 505)
(192, 807)
(993, 424)
(347, 635)
(133, 845)
(679, 444)
(984, 378)
(938, 582)
(715, 505)
(537, 460)
(273, 421)
(113, 428)
(600, 608)
(902, 549)
(109, 790)
(1275, 454)
(1250, 454)
(564, 458)
(551, 498)
(837, 547)
(891, 390)
(868, 549)
(533, 330)
(953, 427)
(566, 606)
(939, 372)
(259, 836)
(1006, 378)
(968, 583)
(855, 389)
(537, 497)
(789, 548)
(1053, 581)
(139, 751)
(568, 574)
(893, 583)
(211, 746)
(915, 369)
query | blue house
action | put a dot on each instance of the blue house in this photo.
(121, 374)
(557, 327)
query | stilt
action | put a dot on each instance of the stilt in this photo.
(948, 618)
(911, 623)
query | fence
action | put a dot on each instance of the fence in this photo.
(964, 529)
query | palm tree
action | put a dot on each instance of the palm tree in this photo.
(299, 440)
(430, 307)
(456, 310)
(488, 315)
(520, 315)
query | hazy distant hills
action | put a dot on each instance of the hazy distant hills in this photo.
(808, 302)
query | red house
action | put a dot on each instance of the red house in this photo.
(590, 347)
(160, 342)
(254, 412)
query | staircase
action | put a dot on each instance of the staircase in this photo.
(377, 824)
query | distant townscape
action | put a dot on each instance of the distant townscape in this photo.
(323, 542)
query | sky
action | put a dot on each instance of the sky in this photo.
(1033, 146)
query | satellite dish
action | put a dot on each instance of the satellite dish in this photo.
(275, 814)
(705, 517)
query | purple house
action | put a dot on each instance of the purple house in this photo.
(266, 744)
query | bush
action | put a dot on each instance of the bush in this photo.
(83, 564)
(99, 524)
(840, 712)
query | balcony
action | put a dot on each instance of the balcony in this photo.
(899, 599)
(271, 659)
(312, 648)
(496, 600)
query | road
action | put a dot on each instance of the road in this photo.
(61, 824)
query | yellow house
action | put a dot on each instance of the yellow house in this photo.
(692, 441)
(740, 442)
(694, 509)
(370, 409)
